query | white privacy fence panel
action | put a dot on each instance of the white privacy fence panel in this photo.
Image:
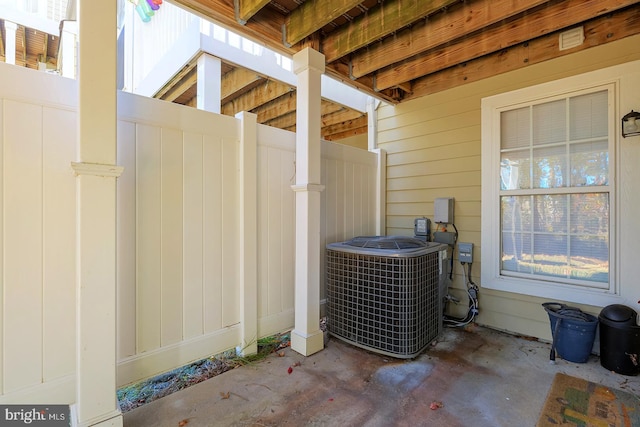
(178, 232)
(276, 229)
(37, 196)
(178, 219)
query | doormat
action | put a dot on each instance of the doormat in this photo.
(576, 402)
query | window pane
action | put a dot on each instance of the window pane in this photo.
(590, 214)
(549, 122)
(549, 167)
(516, 252)
(515, 170)
(590, 258)
(516, 213)
(550, 255)
(550, 214)
(590, 164)
(514, 128)
(588, 115)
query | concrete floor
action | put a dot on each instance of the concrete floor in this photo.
(481, 377)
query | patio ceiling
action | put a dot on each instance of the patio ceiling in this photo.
(398, 50)
(32, 47)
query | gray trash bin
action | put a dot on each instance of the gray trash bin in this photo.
(619, 339)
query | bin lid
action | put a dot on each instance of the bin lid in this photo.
(619, 313)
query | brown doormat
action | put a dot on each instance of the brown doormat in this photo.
(576, 402)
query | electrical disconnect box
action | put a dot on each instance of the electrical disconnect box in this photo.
(465, 252)
(443, 210)
(422, 228)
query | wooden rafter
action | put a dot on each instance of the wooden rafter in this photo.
(186, 83)
(598, 31)
(287, 117)
(2, 42)
(262, 94)
(313, 15)
(266, 28)
(245, 9)
(543, 21)
(186, 70)
(238, 81)
(379, 22)
(466, 19)
(276, 108)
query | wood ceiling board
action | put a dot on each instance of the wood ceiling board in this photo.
(313, 15)
(388, 17)
(245, 9)
(602, 30)
(543, 20)
(465, 18)
(262, 94)
(237, 82)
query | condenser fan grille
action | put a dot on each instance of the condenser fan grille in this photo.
(389, 304)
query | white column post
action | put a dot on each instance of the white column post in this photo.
(10, 42)
(307, 338)
(372, 123)
(96, 173)
(209, 70)
(381, 192)
(249, 232)
(68, 67)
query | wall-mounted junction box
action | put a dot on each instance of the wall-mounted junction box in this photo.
(443, 210)
(465, 252)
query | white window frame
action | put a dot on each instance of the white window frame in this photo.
(491, 276)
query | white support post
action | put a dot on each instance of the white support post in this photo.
(209, 70)
(249, 232)
(68, 66)
(372, 123)
(96, 403)
(10, 29)
(307, 338)
(381, 192)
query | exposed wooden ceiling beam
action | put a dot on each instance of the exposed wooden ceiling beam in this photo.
(543, 20)
(313, 15)
(261, 94)
(2, 42)
(377, 23)
(238, 81)
(23, 40)
(267, 28)
(288, 118)
(276, 108)
(598, 31)
(177, 90)
(189, 68)
(245, 9)
(341, 116)
(348, 126)
(465, 18)
(346, 134)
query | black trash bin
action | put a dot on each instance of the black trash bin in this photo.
(619, 339)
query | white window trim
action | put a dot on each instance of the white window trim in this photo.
(490, 276)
